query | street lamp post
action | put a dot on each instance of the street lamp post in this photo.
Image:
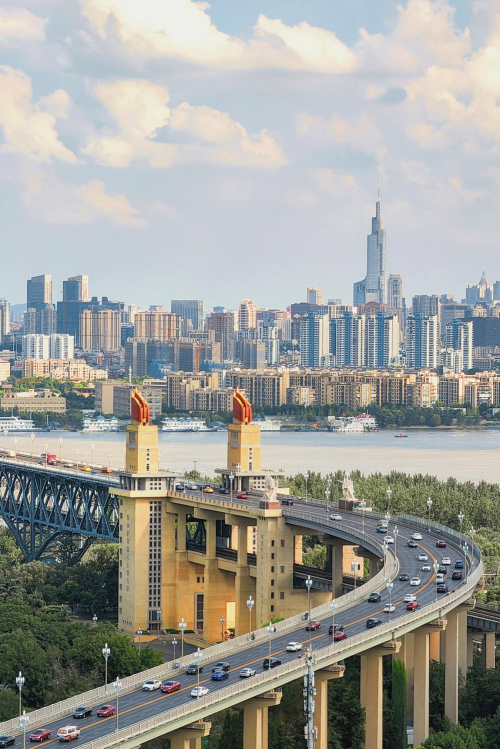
(195, 461)
(94, 619)
(182, 627)
(390, 586)
(429, 505)
(158, 619)
(309, 583)
(461, 517)
(23, 725)
(231, 479)
(396, 533)
(362, 506)
(250, 605)
(110, 455)
(222, 622)
(354, 568)
(139, 633)
(117, 685)
(46, 448)
(20, 684)
(333, 608)
(387, 519)
(174, 645)
(60, 449)
(32, 441)
(270, 633)
(389, 497)
(77, 451)
(5, 439)
(306, 478)
(435, 567)
(106, 651)
(327, 497)
(197, 657)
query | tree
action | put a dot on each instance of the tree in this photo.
(9, 704)
(399, 738)
(457, 737)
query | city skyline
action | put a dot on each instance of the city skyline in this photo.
(281, 179)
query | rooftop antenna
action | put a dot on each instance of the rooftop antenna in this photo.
(130, 375)
(378, 194)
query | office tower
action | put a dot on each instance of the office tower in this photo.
(496, 291)
(348, 340)
(426, 305)
(39, 292)
(157, 326)
(372, 288)
(76, 289)
(29, 321)
(62, 346)
(188, 309)
(4, 318)
(382, 340)
(451, 311)
(314, 339)
(481, 292)
(395, 291)
(222, 323)
(269, 334)
(422, 341)
(99, 331)
(47, 320)
(247, 315)
(460, 337)
(133, 309)
(315, 295)
(253, 354)
(36, 346)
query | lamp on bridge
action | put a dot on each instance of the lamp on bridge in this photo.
(139, 634)
(23, 726)
(429, 505)
(106, 651)
(309, 583)
(270, 633)
(389, 497)
(158, 619)
(250, 605)
(94, 619)
(461, 517)
(182, 627)
(20, 684)
(390, 586)
(174, 645)
(333, 608)
(222, 622)
(117, 686)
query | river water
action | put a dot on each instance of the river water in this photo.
(467, 455)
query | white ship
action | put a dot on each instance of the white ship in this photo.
(268, 425)
(361, 423)
(100, 424)
(15, 424)
(185, 425)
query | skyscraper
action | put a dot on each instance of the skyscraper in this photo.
(4, 318)
(426, 305)
(315, 295)
(372, 289)
(314, 339)
(382, 340)
(422, 337)
(460, 337)
(39, 292)
(188, 309)
(395, 291)
(76, 289)
(247, 315)
(348, 339)
(222, 323)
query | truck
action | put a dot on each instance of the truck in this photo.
(49, 458)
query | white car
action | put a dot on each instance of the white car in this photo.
(246, 672)
(335, 516)
(150, 685)
(415, 581)
(426, 567)
(422, 557)
(409, 598)
(446, 560)
(293, 647)
(199, 691)
(389, 540)
(68, 733)
(389, 609)
(440, 578)
(417, 536)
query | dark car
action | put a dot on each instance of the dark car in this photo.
(456, 575)
(287, 502)
(170, 686)
(459, 564)
(372, 622)
(193, 669)
(374, 597)
(274, 662)
(412, 606)
(223, 490)
(404, 577)
(221, 666)
(442, 588)
(40, 734)
(339, 628)
(82, 712)
(412, 544)
(442, 570)
(7, 741)
(312, 626)
(179, 487)
(105, 711)
(441, 544)
(219, 675)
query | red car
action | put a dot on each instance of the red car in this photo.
(242, 495)
(40, 734)
(441, 544)
(339, 635)
(412, 606)
(105, 711)
(170, 686)
(312, 626)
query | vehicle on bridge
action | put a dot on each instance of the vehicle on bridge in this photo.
(335, 516)
(208, 489)
(339, 635)
(416, 536)
(49, 458)
(374, 597)
(271, 663)
(313, 626)
(68, 733)
(373, 622)
(246, 672)
(446, 560)
(442, 588)
(193, 669)
(82, 712)
(441, 544)
(170, 686)
(412, 606)
(221, 666)
(41, 734)
(426, 567)
(459, 565)
(293, 647)
(412, 544)
(404, 577)
(7, 741)
(151, 685)
(409, 597)
(105, 711)
(456, 575)
(389, 608)
(219, 675)
(199, 692)
(422, 557)
(415, 581)
(242, 495)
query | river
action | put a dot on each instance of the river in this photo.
(466, 454)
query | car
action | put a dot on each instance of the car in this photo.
(426, 567)
(246, 672)
(242, 495)
(381, 529)
(179, 487)
(409, 597)
(221, 666)
(338, 628)
(82, 712)
(459, 564)
(440, 578)
(389, 609)
(442, 588)
(374, 597)
(339, 635)
(422, 557)
(192, 487)
(105, 711)
(7, 741)
(40, 734)
(208, 490)
(193, 669)
(151, 685)
(335, 516)
(271, 663)
(412, 606)
(223, 490)
(404, 577)
(219, 675)
(199, 692)
(416, 536)
(313, 626)
(442, 570)
(446, 560)
(86, 469)
(415, 581)
(170, 686)
(441, 544)
(107, 469)
(456, 575)
(293, 647)
(68, 733)
(286, 502)
(389, 539)
(373, 622)
(412, 544)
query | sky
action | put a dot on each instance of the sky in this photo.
(180, 149)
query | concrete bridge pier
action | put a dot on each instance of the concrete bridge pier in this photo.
(335, 559)
(190, 736)
(407, 655)
(488, 650)
(372, 693)
(321, 679)
(219, 584)
(244, 584)
(421, 658)
(255, 720)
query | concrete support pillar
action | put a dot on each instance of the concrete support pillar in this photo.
(335, 555)
(244, 585)
(297, 555)
(488, 650)
(470, 650)
(434, 646)
(372, 696)
(180, 544)
(407, 655)
(462, 645)
(219, 584)
(255, 720)
(451, 667)
(421, 687)
(190, 736)
(169, 583)
(321, 679)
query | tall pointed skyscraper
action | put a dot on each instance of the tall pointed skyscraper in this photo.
(372, 289)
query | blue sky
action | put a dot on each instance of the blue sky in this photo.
(175, 149)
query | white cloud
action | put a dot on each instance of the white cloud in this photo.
(140, 110)
(307, 123)
(336, 185)
(30, 128)
(428, 27)
(158, 208)
(21, 24)
(468, 195)
(359, 132)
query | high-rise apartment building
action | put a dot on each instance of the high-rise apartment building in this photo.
(422, 341)
(372, 289)
(100, 331)
(382, 340)
(4, 318)
(314, 339)
(315, 295)
(348, 340)
(54, 346)
(247, 315)
(222, 324)
(48, 320)
(460, 337)
(395, 291)
(189, 310)
(426, 305)
(157, 326)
